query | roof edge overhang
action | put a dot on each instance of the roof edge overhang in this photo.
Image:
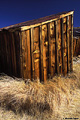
(42, 23)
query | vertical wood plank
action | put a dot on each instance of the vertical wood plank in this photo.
(17, 51)
(47, 51)
(1, 52)
(44, 52)
(23, 54)
(21, 59)
(74, 46)
(57, 52)
(68, 62)
(44, 39)
(36, 53)
(28, 54)
(51, 38)
(13, 54)
(65, 45)
(59, 46)
(79, 46)
(41, 54)
(9, 52)
(32, 55)
(71, 42)
(6, 53)
(62, 38)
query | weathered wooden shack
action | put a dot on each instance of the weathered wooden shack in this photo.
(76, 41)
(38, 48)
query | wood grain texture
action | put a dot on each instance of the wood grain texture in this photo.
(21, 58)
(76, 46)
(40, 50)
(68, 62)
(28, 54)
(59, 47)
(36, 52)
(70, 22)
(17, 52)
(44, 47)
(65, 44)
(62, 48)
(71, 42)
(57, 50)
(9, 52)
(32, 55)
(52, 52)
(41, 54)
(13, 54)
(23, 55)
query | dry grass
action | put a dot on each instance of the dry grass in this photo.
(37, 101)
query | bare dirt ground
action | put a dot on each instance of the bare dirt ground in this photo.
(57, 99)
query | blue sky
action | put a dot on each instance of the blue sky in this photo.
(16, 11)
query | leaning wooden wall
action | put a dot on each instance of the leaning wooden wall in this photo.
(76, 46)
(10, 53)
(47, 49)
(40, 51)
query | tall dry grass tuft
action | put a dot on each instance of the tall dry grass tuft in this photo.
(38, 99)
(19, 97)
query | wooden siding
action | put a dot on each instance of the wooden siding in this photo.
(39, 51)
(76, 46)
(50, 49)
(10, 53)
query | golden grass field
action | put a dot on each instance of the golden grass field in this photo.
(57, 99)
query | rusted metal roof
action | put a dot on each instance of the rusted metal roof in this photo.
(36, 21)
